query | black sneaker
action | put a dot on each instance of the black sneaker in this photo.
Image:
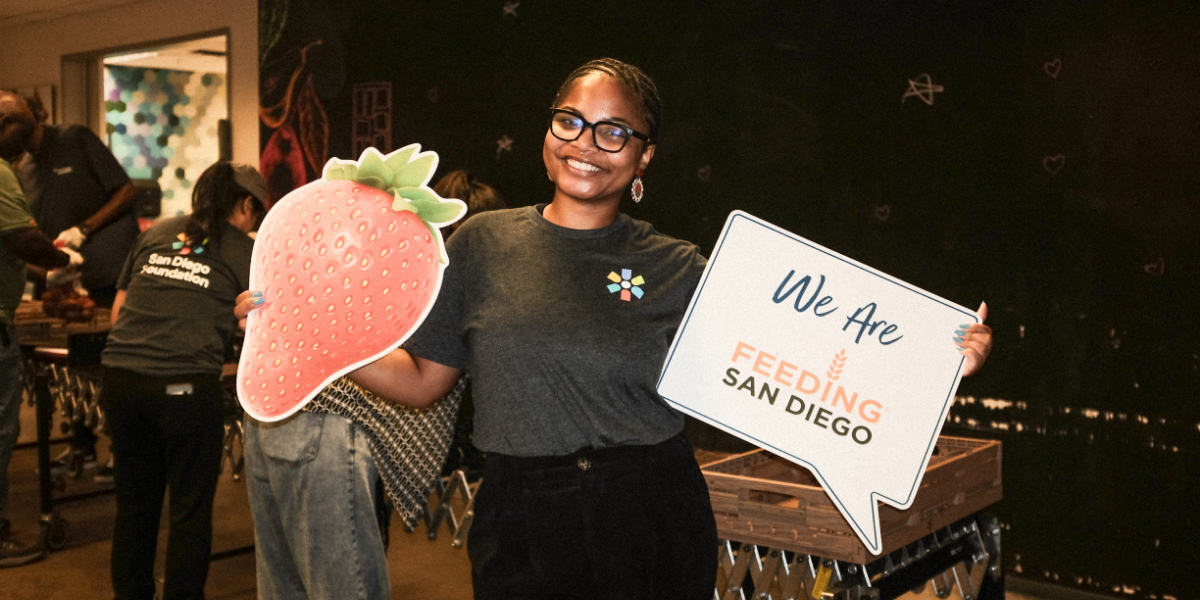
(15, 554)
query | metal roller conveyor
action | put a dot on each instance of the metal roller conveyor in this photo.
(446, 494)
(962, 557)
(234, 433)
(61, 374)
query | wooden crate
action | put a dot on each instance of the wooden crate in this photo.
(762, 499)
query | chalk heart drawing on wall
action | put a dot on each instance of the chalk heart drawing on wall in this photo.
(1054, 163)
(882, 212)
(1157, 267)
(1052, 67)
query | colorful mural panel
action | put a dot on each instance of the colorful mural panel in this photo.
(162, 124)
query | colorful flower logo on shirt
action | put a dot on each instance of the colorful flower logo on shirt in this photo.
(626, 283)
(184, 245)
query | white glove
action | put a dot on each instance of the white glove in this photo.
(76, 258)
(71, 238)
(56, 277)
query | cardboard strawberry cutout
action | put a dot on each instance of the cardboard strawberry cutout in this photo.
(349, 266)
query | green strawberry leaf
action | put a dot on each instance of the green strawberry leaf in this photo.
(405, 178)
(347, 171)
(372, 168)
(375, 182)
(437, 212)
(416, 173)
(401, 203)
(417, 193)
(426, 203)
(399, 158)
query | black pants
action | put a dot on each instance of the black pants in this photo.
(163, 440)
(625, 522)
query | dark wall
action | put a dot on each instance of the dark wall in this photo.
(1054, 175)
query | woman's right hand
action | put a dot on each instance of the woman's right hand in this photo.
(246, 302)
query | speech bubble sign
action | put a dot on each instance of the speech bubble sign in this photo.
(822, 360)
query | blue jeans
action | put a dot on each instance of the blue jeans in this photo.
(10, 403)
(311, 481)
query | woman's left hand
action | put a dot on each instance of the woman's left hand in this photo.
(975, 342)
(246, 302)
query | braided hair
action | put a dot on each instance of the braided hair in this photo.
(636, 80)
(213, 200)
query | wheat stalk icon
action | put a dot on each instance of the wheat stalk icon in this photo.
(835, 368)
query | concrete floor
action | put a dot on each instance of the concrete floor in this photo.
(419, 567)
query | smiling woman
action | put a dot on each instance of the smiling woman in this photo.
(584, 459)
(590, 178)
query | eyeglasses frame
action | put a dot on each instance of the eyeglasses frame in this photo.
(586, 125)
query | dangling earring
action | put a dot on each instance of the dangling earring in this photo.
(635, 192)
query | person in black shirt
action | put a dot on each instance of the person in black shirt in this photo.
(81, 196)
(161, 389)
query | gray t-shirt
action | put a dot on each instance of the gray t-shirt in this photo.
(178, 311)
(564, 331)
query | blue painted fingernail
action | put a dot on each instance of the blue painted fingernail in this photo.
(963, 326)
(958, 339)
(256, 294)
(259, 300)
(961, 331)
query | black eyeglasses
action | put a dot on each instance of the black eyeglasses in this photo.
(606, 135)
